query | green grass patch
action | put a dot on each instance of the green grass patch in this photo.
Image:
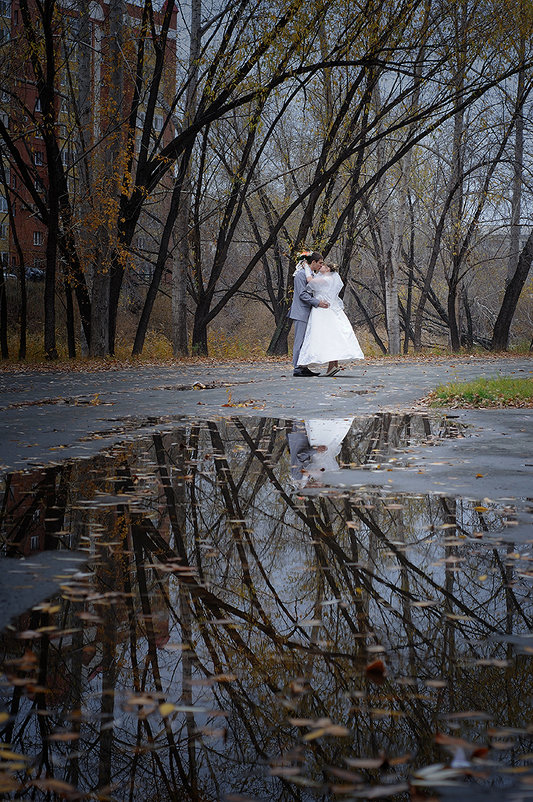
(504, 391)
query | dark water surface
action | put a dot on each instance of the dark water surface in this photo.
(242, 632)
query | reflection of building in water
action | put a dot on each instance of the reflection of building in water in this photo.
(34, 511)
(23, 528)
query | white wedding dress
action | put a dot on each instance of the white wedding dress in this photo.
(329, 335)
(330, 435)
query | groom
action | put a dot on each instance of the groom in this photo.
(302, 301)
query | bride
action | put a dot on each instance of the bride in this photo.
(329, 336)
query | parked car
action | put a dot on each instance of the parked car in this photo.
(35, 274)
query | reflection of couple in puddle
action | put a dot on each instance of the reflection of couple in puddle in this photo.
(314, 446)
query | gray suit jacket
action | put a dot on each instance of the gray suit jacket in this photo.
(299, 449)
(303, 299)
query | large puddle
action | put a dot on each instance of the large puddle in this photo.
(241, 631)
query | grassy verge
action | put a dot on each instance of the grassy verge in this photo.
(492, 392)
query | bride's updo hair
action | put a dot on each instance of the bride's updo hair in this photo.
(314, 256)
(332, 267)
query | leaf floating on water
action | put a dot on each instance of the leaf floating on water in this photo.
(318, 733)
(438, 774)
(28, 634)
(426, 603)
(475, 715)
(7, 754)
(381, 791)
(90, 617)
(344, 774)
(284, 771)
(51, 784)
(224, 678)
(305, 782)
(337, 730)
(64, 736)
(365, 762)
(376, 671)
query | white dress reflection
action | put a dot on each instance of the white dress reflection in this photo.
(314, 447)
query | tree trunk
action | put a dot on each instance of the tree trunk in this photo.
(162, 256)
(518, 169)
(454, 332)
(279, 344)
(502, 327)
(85, 110)
(456, 180)
(519, 262)
(469, 336)
(104, 304)
(180, 346)
(390, 235)
(99, 345)
(71, 336)
(3, 299)
(199, 331)
(3, 316)
(181, 260)
(50, 348)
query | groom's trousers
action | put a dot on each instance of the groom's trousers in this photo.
(299, 334)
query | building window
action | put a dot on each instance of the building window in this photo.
(34, 542)
(5, 8)
(38, 238)
(38, 104)
(3, 204)
(38, 158)
(158, 122)
(140, 243)
(3, 230)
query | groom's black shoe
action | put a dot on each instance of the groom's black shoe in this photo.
(304, 372)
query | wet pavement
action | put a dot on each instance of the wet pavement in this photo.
(265, 588)
(47, 416)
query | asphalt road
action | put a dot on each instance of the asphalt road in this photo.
(47, 417)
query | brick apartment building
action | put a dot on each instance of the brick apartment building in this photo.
(21, 113)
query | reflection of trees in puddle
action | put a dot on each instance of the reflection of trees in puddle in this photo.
(224, 637)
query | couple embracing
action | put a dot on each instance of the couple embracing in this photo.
(322, 332)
